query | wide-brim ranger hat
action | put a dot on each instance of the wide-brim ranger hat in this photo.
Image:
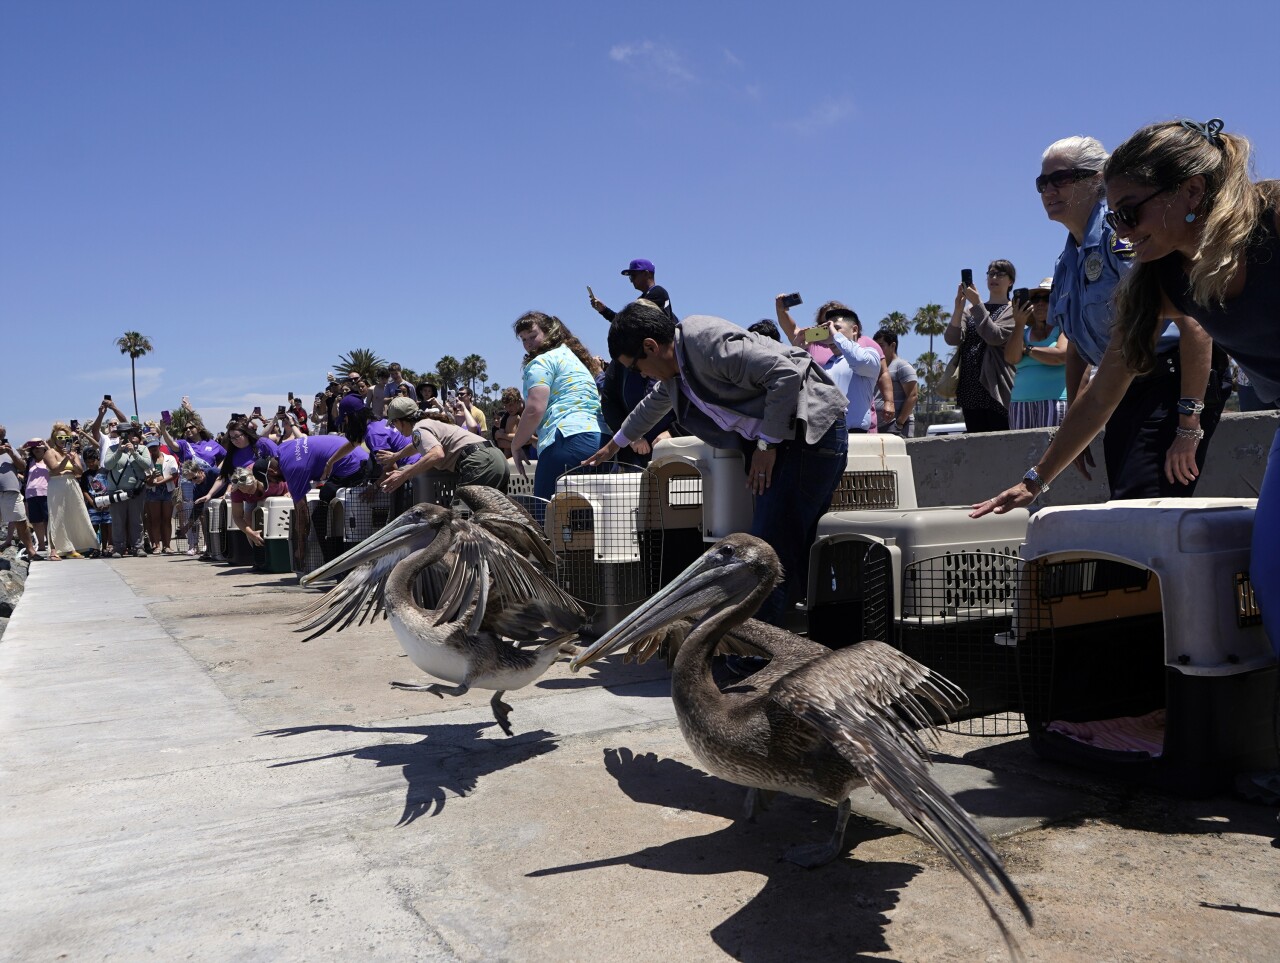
(402, 409)
(639, 264)
(1046, 284)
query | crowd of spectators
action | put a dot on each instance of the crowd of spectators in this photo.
(1024, 357)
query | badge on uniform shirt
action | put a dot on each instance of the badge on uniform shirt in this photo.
(1093, 266)
(1121, 248)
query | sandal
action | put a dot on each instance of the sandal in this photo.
(74, 555)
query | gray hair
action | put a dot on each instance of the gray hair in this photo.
(1080, 151)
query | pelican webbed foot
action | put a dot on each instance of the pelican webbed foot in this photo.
(813, 855)
(435, 688)
(501, 712)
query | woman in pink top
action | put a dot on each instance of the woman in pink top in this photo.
(37, 494)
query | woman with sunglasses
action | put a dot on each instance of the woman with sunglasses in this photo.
(1144, 452)
(1039, 349)
(70, 531)
(1206, 242)
(979, 330)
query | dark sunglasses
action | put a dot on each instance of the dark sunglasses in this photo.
(1126, 215)
(1061, 179)
(1042, 298)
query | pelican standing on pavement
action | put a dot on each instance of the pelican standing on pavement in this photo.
(457, 584)
(813, 722)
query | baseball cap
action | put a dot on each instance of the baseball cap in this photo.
(639, 264)
(402, 409)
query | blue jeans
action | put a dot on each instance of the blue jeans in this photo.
(786, 516)
(564, 452)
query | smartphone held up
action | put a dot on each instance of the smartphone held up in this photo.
(791, 300)
(966, 277)
(814, 335)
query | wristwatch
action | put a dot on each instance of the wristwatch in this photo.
(1032, 477)
(762, 445)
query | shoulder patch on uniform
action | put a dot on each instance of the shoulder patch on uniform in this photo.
(1121, 248)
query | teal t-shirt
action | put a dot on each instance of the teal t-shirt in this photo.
(574, 404)
(1035, 380)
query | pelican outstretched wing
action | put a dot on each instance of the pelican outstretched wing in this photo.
(869, 701)
(509, 521)
(502, 589)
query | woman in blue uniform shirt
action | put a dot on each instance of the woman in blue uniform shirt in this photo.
(1144, 454)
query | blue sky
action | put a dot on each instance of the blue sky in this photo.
(261, 186)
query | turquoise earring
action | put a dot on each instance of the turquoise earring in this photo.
(1189, 218)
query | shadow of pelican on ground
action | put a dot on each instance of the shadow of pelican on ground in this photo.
(842, 906)
(448, 760)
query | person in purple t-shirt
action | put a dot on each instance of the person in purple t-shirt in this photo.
(244, 443)
(196, 443)
(302, 461)
(361, 428)
(352, 401)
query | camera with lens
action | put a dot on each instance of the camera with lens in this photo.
(101, 502)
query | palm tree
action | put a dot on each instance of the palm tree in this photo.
(447, 371)
(363, 361)
(897, 322)
(135, 345)
(930, 322)
(473, 369)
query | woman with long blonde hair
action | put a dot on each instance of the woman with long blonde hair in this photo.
(70, 532)
(1206, 242)
(562, 403)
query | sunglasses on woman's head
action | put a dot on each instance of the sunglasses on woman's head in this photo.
(1126, 215)
(1062, 178)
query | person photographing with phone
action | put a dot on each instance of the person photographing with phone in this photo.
(979, 330)
(854, 369)
(817, 341)
(640, 273)
(1039, 350)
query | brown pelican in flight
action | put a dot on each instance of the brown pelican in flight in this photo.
(813, 722)
(457, 584)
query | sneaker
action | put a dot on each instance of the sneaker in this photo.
(191, 551)
(115, 555)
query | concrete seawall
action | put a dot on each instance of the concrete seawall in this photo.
(963, 469)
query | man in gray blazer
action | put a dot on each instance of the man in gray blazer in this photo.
(736, 389)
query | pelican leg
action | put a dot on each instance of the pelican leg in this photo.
(435, 688)
(757, 801)
(501, 712)
(811, 855)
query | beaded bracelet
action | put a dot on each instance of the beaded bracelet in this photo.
(1194, 433)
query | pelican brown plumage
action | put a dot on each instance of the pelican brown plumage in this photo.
(457, 584)
(813, 722)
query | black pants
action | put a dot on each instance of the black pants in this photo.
(1144, 424)
(980, 419)
(329, 491)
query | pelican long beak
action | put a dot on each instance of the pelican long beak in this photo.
(407, 530)
(708, 582)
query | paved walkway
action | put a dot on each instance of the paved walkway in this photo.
(183, 779)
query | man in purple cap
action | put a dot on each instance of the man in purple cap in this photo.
(641, 272)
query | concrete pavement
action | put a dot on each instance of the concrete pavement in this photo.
(183, 779)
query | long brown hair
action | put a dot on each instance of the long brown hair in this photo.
(1165, 155)
(554, 334)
